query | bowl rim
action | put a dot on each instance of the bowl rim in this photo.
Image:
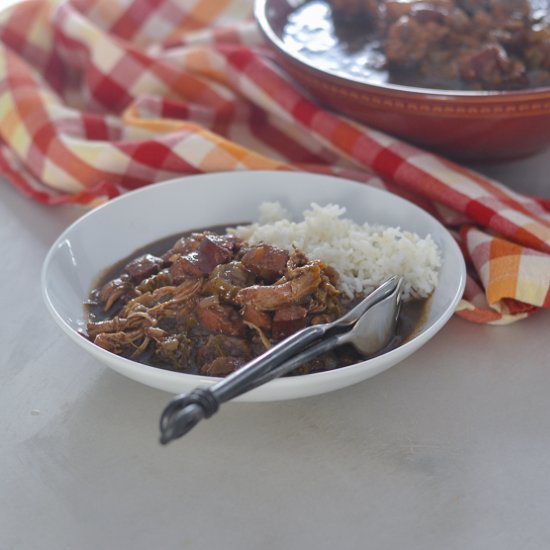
(264, 24)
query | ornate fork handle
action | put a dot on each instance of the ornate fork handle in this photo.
(186, 410)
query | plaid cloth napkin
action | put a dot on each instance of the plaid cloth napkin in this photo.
(102, 96)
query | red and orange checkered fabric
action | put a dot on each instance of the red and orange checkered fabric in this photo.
(98, 97)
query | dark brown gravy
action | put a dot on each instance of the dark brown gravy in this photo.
(411, 319)
(348, 49)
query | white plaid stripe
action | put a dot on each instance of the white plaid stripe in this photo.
(59, 179)
(194, 149)
(454, 180)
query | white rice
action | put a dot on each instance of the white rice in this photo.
(364, 255)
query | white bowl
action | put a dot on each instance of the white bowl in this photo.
(113, 231)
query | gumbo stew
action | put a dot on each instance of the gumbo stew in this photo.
(446, 44)
(208, 302)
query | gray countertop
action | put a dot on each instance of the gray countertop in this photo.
(449, 449)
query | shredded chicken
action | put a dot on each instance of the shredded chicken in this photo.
(209, 303)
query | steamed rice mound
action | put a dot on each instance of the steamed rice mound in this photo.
(364, 255)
